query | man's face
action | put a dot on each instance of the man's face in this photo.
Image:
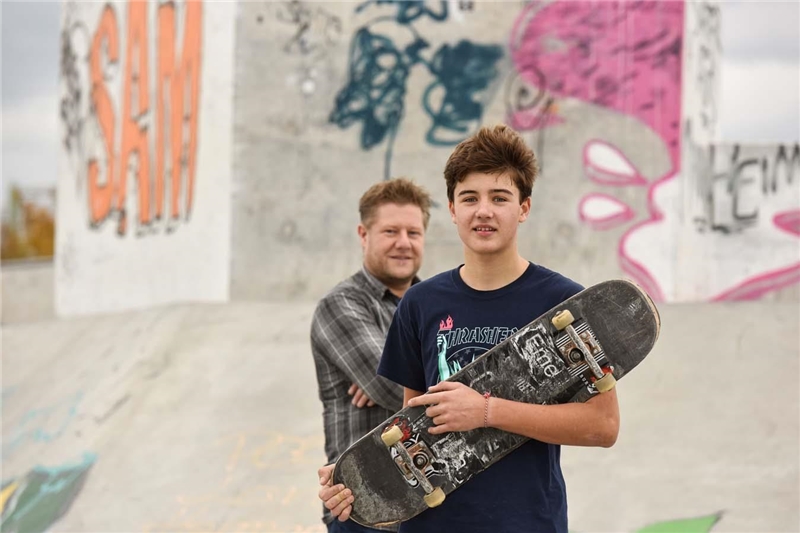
(486, 209)
(393, 243)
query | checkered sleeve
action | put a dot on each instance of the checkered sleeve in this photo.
(354, 342)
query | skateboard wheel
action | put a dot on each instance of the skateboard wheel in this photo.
(392, 436)
(563, 319)
(435, 498)
(606, 383)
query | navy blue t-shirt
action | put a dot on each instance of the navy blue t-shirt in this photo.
(440, 326)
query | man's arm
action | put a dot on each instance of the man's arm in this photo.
(360, 398)
(345, 330)
(456, 407)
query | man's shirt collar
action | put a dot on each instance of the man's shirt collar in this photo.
(376, 287)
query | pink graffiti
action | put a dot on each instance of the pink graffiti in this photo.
(756, 287)
(627, 57)
(788, 221)
(624, 56)
(605, 164)
(533, 119)
(602, 212)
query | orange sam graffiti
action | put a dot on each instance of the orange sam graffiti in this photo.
(177, 98)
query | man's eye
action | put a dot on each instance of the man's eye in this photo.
(500, 199)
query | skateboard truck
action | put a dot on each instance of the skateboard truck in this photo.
(604, 381)
(393, 438)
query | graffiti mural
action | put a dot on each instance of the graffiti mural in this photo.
(145, 105)
(741, 181)
(386, 51)
(152, 144)
(654, 64)
(623, 56)
(620, 56)
(751, 194)
(35, 501)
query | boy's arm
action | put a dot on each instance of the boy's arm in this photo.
(456, 407)
(410, 393)
(593, 423)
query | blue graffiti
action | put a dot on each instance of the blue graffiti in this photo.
(465, 72)
(410, 10)
(378, 72)
(375, 89)
(43, 425)
(37, 500)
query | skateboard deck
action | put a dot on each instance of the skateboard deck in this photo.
(399, 470)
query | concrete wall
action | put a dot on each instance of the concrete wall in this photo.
(144, 179)
(622, 113)
(290, 110)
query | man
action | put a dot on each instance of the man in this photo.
(489, 179)
(350, 323)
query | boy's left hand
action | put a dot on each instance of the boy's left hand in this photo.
(453, 407)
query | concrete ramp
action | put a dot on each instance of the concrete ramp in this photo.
(198, 418)
(206, 418)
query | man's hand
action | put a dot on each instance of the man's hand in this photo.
(338, 499)
(360, 399)
(453, 407)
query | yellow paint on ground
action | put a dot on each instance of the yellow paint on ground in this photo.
(6, 494)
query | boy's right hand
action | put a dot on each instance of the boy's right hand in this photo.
(338, 499)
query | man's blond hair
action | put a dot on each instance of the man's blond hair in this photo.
(400, 191)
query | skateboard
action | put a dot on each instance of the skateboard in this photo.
(578, 349)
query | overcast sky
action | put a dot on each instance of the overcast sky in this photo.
(759, 100)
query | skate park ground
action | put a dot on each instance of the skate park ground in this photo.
(206, 418)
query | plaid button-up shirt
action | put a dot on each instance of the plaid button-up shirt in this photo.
(348, 332)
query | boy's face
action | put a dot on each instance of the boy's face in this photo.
(393, 243)
(486, 209)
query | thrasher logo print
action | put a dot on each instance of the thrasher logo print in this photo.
(458, 347)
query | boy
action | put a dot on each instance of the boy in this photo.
(443, 323)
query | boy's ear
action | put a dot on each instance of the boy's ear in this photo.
(451, 206)
(526, 209)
